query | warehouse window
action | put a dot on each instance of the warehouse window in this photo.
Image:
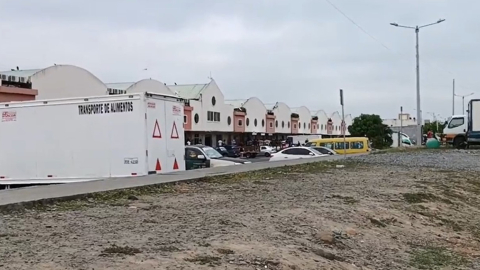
(213, 116)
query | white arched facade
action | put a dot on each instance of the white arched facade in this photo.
(348, 122)
(62, 81)
(337, 121)
(305, 119)
(208, 104)
(322, 121)
(255, 118)
(282, 116)
(146, 85)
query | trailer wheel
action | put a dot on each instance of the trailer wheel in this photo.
(247, 155)
(459, 142)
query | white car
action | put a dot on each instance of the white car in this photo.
(267, 150)
(296, 153)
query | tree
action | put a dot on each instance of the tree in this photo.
(433, 127)
(371, 126)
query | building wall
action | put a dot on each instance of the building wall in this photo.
(149, 85)
(8, 94)
(282, 115)
(314, 126)
(255, 113)
(239, 122)
(294, 125)
(225, 110)
(65, 81)
(348, 122)
(322, 121)
(337, 121)
(304, 121)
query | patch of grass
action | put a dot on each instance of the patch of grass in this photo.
(125, 250)
(225, 251)
(435, 258)
(205, 259)
(168, 249)
(7, 235)
(419, 197)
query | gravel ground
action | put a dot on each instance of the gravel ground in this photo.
(315, 216)
(443, 159)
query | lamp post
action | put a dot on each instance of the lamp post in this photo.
(463, 100)
(419, 111)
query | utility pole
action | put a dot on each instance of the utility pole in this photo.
(344, 126)
(419, 111)
(400, 136)
(453, 99)
(463, 100)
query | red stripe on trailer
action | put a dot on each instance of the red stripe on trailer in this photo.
(2, 177)
(134, 173)
(49, 175)
(175, 164)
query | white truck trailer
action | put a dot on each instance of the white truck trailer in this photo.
(84, 139)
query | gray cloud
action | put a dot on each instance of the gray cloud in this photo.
(298, 52)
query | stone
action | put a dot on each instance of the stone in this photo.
(351, 232)
(326, 237)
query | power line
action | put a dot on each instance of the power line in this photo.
(385, 46)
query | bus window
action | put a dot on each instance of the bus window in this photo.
(327, 145)
(357, 145)
(339, 145)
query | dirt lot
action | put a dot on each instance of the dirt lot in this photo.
(307, 217)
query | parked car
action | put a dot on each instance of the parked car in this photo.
(201, 156)
(296, 152)
(267, 150)
(324, 150)
(229, 150)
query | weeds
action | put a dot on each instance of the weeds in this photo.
(434, 258)
(125, 250)
(206, 259)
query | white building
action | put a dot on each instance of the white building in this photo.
(255, 118)
(283, 115)
(337, 122)
(212, 119)
(146, 85)
(348, 122)
(305, 119)
(322, 121)
(58, 81)
(403, 119)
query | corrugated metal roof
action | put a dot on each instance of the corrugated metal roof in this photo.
(188, 91)
(20, 73)
(120, 86)
(237, 103)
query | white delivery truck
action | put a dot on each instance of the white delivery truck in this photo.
(455, 130)
(83, 139)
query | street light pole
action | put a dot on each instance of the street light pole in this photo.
(463, 100)
(419, 111)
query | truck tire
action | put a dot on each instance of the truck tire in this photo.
(459, 142)
(267, 154)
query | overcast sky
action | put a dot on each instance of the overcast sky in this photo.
(299, 52)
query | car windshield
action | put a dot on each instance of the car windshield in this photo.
(211, 153)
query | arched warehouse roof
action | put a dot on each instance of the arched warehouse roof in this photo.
(146, 85)
(59, 81)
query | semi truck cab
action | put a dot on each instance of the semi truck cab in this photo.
(455, 130)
